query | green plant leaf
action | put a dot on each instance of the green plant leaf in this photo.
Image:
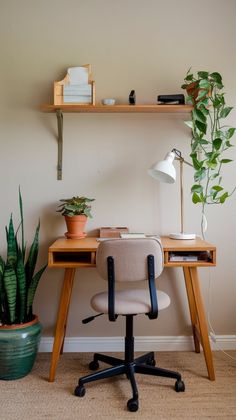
(228, 144)
(200, 174)
(226, 160)
(32, 258)
(216, 77)
(225, 111)
(189, 77)
(217, 143)
(23, 246)
(21, 286)
(32, 289)
(205, 84)
(11, 244)
(224, 197)
(10, 285)
(195, 198)
(197, 188)
(230, 132)
(189, 124)
(202, 93)
(199, 115)
(201, 126)
(203, 74)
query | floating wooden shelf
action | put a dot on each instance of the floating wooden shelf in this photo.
(117, 108)
(60, 109)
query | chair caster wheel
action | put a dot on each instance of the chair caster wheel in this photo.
(151, 361)
(80, 391)
(132, 405)
(179, 386)
(94, 365)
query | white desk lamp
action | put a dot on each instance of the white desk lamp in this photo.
(164, 171)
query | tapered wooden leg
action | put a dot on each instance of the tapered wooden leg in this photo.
(192, 308)
(202, 322)
(61, 320)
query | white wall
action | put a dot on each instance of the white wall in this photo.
(146, 46)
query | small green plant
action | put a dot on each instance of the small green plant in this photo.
(18, 280)
(211, 138)
(76, 206)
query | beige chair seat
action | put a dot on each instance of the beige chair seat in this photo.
(128, 302)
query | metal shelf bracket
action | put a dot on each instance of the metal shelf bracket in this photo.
(60, 143)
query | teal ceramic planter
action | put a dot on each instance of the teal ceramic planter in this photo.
(18, 349)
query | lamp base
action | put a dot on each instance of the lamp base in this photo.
(182, 236)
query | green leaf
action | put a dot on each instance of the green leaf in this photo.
(189, 77)
(197, 188)
(197, 165)
(225, 111)
(228, 144)
(223, 197)
(226, 160)
(32, 289)
(199, 115)
(203, 74)
(217, 143)
(217, 188)
(216, 77)
(217, 102)
(189, 124)
(201, 126)
(21, 286)
(11, 244)
(195, 198)
(10, 285)
(202, 93)
(203, 141)
(204, 83)
(199, 175)
(32, 258)
(230, 132)
(23, 246)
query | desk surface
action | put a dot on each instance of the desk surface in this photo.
(71, 253)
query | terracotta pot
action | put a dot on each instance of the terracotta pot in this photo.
(18, 348)
(75, 226)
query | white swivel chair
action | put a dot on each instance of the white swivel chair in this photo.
(129, 260)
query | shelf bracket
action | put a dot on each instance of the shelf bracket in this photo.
(60, 143)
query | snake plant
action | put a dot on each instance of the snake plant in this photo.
(18, 280)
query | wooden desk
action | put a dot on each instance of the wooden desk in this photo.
(71, 254)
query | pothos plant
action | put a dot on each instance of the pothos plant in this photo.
(211, 138)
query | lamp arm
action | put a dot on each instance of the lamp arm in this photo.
(179, 156)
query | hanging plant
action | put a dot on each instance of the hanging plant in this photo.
(211, 138)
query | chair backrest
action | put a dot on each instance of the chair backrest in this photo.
(130, 258)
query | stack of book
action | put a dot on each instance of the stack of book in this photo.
(79, 93)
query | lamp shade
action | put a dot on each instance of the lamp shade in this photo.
(164, 170)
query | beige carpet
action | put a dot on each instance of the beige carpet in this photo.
(33, 397)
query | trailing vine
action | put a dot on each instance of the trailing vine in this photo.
(211, 138)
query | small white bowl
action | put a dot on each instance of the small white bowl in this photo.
(108, 101)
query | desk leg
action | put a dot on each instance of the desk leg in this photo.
(192, 307)
(202, 323)
(61, 320)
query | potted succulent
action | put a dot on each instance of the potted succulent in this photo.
(211, 138)
(76, 211)
(20, 329)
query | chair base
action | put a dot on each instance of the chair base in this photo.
(144, 364)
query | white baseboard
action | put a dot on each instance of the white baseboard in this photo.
(155, 343)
